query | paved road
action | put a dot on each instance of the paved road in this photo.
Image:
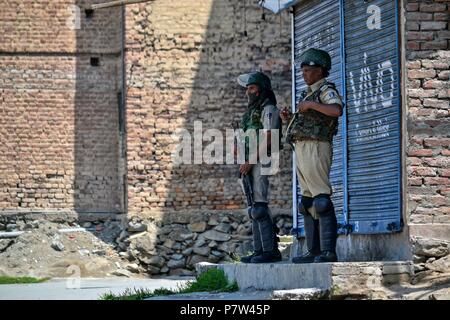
(89, 289)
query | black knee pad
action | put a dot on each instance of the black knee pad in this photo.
(322, 204)
(305, 204)
(260, 211)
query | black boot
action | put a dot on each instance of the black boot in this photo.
(312, 241)
(267, 257)
(247, 259)
(326, 256)
(328, 236)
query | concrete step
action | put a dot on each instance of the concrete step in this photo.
(340, 278)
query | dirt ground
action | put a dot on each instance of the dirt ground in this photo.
(43, 251)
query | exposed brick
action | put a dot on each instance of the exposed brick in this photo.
(420, 153)
(444, 34)
(432, 25)
(445, 152)
(415, 181)
(416, 64)
(418, 16)
(414, 102)
(444, 75)
(435, 64)
(421, 73)
(413, 6)
(441, 16)
(437, 142)
(412, 26)
(421, 35)
(423, 171)
(413, 161)
(413, 45)
(431, 45)
(432, 7)
(433, 84)
(437, 181)
(444, 173)
(436, 103)
(443, 93)
(420, 93)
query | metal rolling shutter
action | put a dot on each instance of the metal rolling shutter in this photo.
(373, 112)
(366, 171)
(317, 24)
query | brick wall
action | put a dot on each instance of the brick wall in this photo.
(428, 92)
(183, 58)
(58, 114)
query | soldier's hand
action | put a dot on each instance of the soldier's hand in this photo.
(304, 106)
(245, 168)
(285, 114)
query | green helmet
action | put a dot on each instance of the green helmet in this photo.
(257, 78)
(316, 57)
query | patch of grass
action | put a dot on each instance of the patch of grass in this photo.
(212, 280)
(21, 280)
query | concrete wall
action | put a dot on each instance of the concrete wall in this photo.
(59, 114)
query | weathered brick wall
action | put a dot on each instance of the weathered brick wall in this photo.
(428, 92)
(428, 126)
(58, 114)
(183, 58)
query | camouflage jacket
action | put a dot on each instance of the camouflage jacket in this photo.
(314, 125)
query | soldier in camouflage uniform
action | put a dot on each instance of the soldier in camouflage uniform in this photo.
(261, 114)
(310, 131)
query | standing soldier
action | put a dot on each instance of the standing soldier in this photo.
(261, 114)
(310, 131)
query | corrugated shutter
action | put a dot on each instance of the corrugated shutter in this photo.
(373, 113)
(317, 24)
(366, 172)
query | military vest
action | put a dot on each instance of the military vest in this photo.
(312, 125)
(252, 120)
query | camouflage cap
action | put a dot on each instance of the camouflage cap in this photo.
(257, 78)
(316, 57)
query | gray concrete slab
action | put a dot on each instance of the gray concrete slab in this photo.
(239, 295)
(285, 276)
(89, 289)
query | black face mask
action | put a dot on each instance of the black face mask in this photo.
(253, 98)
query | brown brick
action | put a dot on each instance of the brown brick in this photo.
(413, 6)
(421, 73)
(437, 181)
(418, 16)
(415, 181)
(443, 34)
(445, 152)
(412, 26)
(420, 93)
(413, 45)
(433, 25)
(444, 93)
(433, 84)
(434, 45)
(436, 103)
(432, 7)
(414, 102)
(437, 142)
(420, 153)
(444, 75)
(423, 171)
(444, 173)
(413, 161)
(441, 16)
(419, 35)
(416, 64)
